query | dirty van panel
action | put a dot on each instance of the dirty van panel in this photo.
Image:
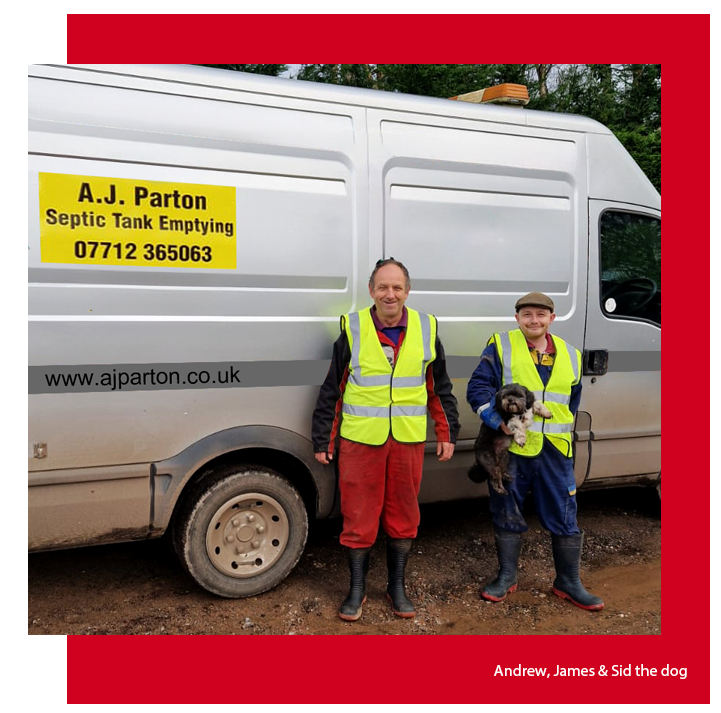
(70, 514)
(622, 350)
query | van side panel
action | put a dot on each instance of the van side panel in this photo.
(298, 170)
(613, 175)
(89, 507)
(481, 214)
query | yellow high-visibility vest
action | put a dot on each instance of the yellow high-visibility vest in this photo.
(518, 368)
(380, 400)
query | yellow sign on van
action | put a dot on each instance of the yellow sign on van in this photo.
(91, 220)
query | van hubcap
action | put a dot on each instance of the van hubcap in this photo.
(247, 535)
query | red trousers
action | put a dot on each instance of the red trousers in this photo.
(379, 484)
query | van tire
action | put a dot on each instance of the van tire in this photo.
(240, 531)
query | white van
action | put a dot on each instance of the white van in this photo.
(194, 235)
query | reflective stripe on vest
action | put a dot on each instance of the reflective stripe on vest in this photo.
(518, 367)
(380, 399)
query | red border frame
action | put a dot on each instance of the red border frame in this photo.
(457, 669)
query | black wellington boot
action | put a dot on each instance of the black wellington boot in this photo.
(397, 557)
(567, 558)
(508, 547)
(358, 562)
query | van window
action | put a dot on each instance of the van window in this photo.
(631, 266)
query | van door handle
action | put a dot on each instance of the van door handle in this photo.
(595, 361)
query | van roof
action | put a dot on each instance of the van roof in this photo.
(209, 78)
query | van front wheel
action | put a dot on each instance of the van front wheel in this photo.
(241, 531)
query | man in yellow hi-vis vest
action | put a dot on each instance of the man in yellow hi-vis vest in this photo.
(388, 372)
(552, 369)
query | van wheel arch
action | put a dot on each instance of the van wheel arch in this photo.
(283, 464)
(281, 450)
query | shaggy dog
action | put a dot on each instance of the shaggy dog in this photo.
(516, 406)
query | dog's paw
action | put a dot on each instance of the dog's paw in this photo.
(520, 438)
(500, 490)
(541, 409)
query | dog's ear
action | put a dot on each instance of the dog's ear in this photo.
(499, 405)
(530, 399)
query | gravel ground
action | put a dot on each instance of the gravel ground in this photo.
(138, 588)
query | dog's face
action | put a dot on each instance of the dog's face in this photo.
(514, 399)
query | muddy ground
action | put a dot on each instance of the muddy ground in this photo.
(138, 588)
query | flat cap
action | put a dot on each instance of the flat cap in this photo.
(535, 299)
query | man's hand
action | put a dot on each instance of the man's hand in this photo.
(324, 458)
(506, 430)
(444, 451)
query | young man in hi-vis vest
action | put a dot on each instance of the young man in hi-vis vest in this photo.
(388, 372)
(552, 369)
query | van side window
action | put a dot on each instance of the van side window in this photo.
(631, 266)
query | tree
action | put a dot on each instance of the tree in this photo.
(436, 80)
(640, 96)
(542, 72)
(272, 70)
(645, 147)
(511, 74)
(569, 90)
(350, 75)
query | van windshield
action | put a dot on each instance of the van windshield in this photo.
(631, 266)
